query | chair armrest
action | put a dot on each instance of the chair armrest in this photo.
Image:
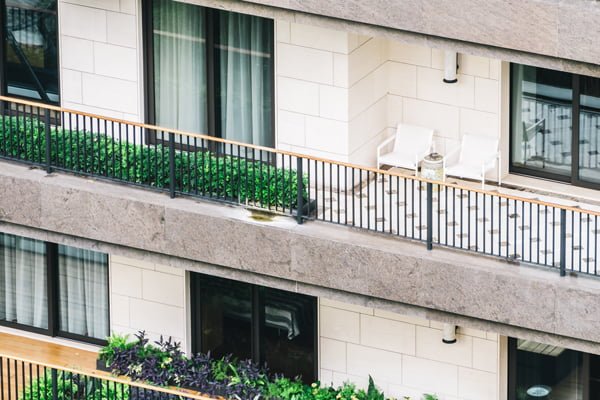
(448, 158)
(385, 143)
(490, 162)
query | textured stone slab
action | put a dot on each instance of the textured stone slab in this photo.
(566, 29)
(319, 255)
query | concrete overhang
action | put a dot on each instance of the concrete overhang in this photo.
(317, 258)
(557, 34)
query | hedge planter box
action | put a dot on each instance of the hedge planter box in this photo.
(101, 365)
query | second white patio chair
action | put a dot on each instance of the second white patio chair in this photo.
(476, 155)
(411, 144)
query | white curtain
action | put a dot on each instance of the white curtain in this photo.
(83, 288)
(243, 52)
(23, 287)
(180, 66)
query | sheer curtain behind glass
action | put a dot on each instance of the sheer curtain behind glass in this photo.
(180, 66)
(83, 292)
(23, 289)
(243, 55)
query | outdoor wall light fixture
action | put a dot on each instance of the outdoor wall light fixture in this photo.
(450, 66)
(449, 334)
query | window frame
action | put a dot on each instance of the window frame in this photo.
(512, 371)
(256, 323)
(3, 79)
(213, 128)
(53, 298)
(573, 177)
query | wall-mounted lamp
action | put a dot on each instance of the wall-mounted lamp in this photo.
(449, 334)
(450, 66)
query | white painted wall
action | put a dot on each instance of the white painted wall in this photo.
(339, 95)
(405, 355)
(100, 57)
(312, 89)
(148, 296)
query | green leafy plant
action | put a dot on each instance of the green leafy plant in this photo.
(238, 176)
(71, 386)
(428, 396)
(115, 342)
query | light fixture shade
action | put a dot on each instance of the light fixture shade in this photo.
(449, 334)
(450, 66)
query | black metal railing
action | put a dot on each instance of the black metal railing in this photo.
(21, 379)
(517, 228)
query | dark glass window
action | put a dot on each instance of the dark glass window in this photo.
(270, 326)
(30, 52)
(210, 71)
(541, 371)
(52, 289)
(555, 126)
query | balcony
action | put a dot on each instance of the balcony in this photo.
(32, 369)
(508, 224)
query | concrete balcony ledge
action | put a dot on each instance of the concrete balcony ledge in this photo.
(564, 29)
(372, 269)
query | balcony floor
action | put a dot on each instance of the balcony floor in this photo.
(490, 224)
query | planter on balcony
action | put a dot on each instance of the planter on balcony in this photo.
(101, 365)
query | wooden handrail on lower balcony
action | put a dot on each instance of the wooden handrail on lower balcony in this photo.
(104, 376)
(298, 155)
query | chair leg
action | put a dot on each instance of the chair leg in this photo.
(499, 170)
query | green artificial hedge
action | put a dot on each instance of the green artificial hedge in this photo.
(201, 172)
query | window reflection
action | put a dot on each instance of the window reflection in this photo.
(272, 326)
(547, 372)
(542, 119)
(589, 129)
(30, 37)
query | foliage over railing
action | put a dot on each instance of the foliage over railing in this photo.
(164, 363)
(198, 170)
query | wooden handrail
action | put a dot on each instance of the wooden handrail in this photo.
(189, 394)
(303, 156)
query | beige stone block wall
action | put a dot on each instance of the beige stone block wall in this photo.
(100, 57)
(405, 355)
(147, 296)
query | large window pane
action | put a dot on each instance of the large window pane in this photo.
(542, 120)
(547, 372)
(31, 61)
(23, 281)
(243, 55)
(83, 292)
(226, 317)
(289, 333)
(589, 129)
(255, 322)
(212, 71)
(179, 45)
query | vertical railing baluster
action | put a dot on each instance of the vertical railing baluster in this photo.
(563, 241)
(54, 379)
(429, 216)
(48, 142)
(172, 164)
(300, 189)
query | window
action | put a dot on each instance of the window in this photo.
(29, 51)
(267, 325)
(209, 71)
(555, 129)
(540, 371)
(53, 289)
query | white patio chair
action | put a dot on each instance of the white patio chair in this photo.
(411, 145)
(476, 155)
